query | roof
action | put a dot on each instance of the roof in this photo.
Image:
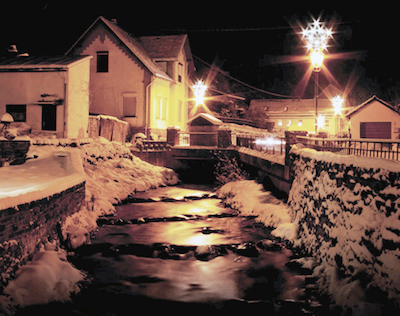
(130, 42)
(371, 99)
(291, 106)
(205, 116)
(163, 47)
(43, 62)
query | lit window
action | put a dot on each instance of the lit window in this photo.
(280, 123)
(289, 123)
(300, 123)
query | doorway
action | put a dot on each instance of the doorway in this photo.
(49, 117)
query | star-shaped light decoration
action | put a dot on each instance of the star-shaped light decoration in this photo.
(316, 36)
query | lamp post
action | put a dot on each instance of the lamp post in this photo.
(316, 36)
(317, 59)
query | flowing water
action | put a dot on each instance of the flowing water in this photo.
(178, 250)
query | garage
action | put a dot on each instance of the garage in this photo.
(379, 130)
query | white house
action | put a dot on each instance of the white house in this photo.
(50, 94)
(374, 118)
(140, 80)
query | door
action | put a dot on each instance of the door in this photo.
(49, 117)
(378, 130)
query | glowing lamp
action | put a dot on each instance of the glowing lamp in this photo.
(337, 103)
(320, 121)
(317, 58)
(199, 89)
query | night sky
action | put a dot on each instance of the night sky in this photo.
(234, 36)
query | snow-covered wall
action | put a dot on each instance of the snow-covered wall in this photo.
(348, 210)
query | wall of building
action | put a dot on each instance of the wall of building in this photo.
(126, 74)
(24, 227)
(26, 88)
(375, 112)
(77, 107)
(348, 211)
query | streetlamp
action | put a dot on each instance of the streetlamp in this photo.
(316, 36)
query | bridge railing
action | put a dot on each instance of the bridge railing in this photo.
(380, 148)
(273, 145)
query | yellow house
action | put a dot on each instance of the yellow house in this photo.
(299, 115)
(142, 81)
(50, 94)
(374, 118)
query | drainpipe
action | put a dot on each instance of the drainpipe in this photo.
(65, 123)
(148, 105)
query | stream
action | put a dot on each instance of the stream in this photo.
(178, 249)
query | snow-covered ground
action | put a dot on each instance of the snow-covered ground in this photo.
(111, 173)
(250, 198)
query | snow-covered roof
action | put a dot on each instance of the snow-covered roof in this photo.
(163, 47)
(371, 99)
(130, 42)
(43, 62)
(290, 106)
(205, 116)
(167, 47)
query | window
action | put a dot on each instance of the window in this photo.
(129, 105)
(102, 61)
(180, 110)
(180, 66)
(161, 108)
(17, 111)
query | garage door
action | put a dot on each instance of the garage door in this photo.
(381, 130)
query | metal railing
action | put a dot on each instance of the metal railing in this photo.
(379, 148)
(270, 145)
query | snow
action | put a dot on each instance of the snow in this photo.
(348, 208)
(48, 277)
(250, 198)
(112, 174)
(55, 170)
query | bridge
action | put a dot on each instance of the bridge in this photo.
(258, 149)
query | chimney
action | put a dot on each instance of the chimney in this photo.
(114, 21)
(12, 51)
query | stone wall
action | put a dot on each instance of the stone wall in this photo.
(24, 227)
(348, 210)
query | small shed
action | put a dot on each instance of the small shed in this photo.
(203, 129)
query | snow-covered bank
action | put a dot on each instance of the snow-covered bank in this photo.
(348, 209)
(250, 198)
(112, 174)
(48, 277)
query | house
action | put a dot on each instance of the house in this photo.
(142, 81)
(298, 115)
(374, 118)
(50, 94)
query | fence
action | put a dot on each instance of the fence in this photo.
(108, 127)
(380, 148)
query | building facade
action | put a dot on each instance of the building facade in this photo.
(50, 94)
(135, 79)
(374, 118)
